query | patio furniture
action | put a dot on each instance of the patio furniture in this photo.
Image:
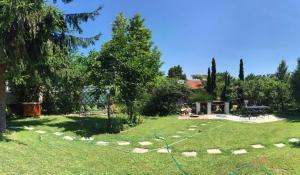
(251, 111)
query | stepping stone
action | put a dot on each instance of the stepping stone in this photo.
(203, 124)
(193, 126)
(240, 151)
(28, 128)
(146, 143)
(190, 154)
(140, 150)
(192, 129)
(257, 146)
(176, 136)
(102, 143)
(179, 132)
(69, 138)
(40, 132)
(58, 133)
(164, 151)
(159, 139)
(294, 140)
(87, 138)
(123, 143)
(279, 145)
(214, 151)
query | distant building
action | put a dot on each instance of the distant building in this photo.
(194, 84)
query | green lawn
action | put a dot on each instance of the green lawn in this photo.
(27, 152)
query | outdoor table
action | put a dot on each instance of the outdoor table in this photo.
(255, 110)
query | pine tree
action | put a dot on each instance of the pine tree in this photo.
(213, 75)
(282, 71)
(208, 84)
(30, 30)
(241, 74)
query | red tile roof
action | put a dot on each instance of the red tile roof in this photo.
(194, 84)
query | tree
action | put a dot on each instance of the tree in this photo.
(295, 83)
(129, 61)
(225, 92)
(29, 30)
(208, 84)
(241, 74)
(176, 72)
(282, 71)
(213, 75)
(165, 98)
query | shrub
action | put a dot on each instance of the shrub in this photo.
(165, 99)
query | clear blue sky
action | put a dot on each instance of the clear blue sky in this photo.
(191, 32)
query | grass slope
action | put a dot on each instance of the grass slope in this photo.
(28, 152)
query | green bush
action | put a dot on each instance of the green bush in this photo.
(165, 99)
(200, 96)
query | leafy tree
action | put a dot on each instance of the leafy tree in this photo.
(282, 71)
(176, 72)
(268, 91)
(213, 75)
(241, 74)
(208, 84)
(129, 62)
(295, 83)
(29, 30)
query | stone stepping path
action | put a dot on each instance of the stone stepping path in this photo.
(240, 151)
(102, 143)
(203, 124)
(40, 132)
(123, 143)
(190, 154)
(176, 136)
(214, 151)
(28, 128)
(279, 145)
(68, 138)
(145, 143)
(294, 140)
(58, 133)
(87, 138)
(257, 146)
(164, 151)
(140, 150)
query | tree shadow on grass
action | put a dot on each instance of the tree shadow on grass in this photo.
(296, 145)
(290, 115)
(89, 126)
(18, 125)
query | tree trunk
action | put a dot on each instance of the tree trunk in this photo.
(2, 99)
(109, 114)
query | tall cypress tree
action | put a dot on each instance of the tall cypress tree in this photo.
(208, 84)
(241, 74)
(224, 95)
(213, 75)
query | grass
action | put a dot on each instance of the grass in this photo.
(27, 152)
